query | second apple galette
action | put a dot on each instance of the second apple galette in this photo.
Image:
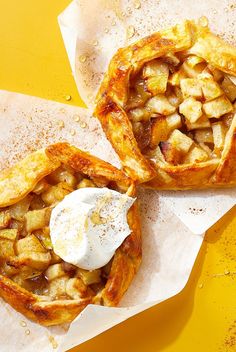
(167, 105)
(69, 234)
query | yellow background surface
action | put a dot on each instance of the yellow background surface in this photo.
(203, 316)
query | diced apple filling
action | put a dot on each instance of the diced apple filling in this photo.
(193, 71)
(210, 89)
(229, 88)
(177, 145)
(156, 74)
(139, 114)
(196, 154)
(160, 105)
(203, 122)
(176, 123)
(219, 132)
(204, 136)
(191, 87)
(218, 107)
(55, 271)
(191, 109)
(5, 219)
(162, 127)
(176, 77)
(180, 141)
(159, 131)
(194, 60)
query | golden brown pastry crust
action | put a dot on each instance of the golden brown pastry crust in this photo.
(113, 94)
(126, 260)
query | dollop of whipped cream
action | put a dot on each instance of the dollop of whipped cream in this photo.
(88, 225)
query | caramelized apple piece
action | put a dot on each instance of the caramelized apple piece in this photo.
(219, 132)
(89, 277)
(159, 131)
(170, 153)
(57, 287)
(63, 175)
(86, 183)
(204, 135)
(8, 234)
(176, 147)
(191, 87)
(56, 193)
(29, 244)
(5, 219)
(141, 88)
(39, 261)
(218, 107)
(41, 187)
(180, 141)
(31, 253)
(18, 210)
(174, 99)
(139, 114)
(44, 236)
(75, 288)
(195, 155)
(171, 59)
(217, 74)
(193, 71)
(6, 249)
(156, 74)
(210, 89)
(229, 88)
(194, 60)
(142, 133)
(191, 109)
(202, 122)
(173, 121)
(176, 77)
(54, 272)
(134, 100)
(37, 219)
(206, 149)
(160, 105)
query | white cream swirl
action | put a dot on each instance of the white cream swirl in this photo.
(88, 225)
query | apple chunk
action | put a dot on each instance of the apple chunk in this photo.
(191, 109)
(156, 74)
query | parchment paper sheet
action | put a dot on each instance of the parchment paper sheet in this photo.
(94, 30)
(169, 247)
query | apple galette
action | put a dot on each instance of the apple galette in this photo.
(35, 237)
(167, 105)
